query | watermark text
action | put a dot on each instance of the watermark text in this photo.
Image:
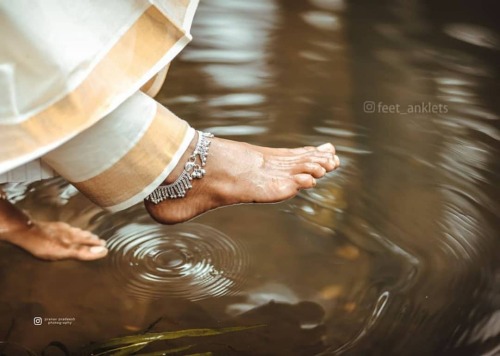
(51, 321)
(424, 107)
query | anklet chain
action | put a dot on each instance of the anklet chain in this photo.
(192, 170)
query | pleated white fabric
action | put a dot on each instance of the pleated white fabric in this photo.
(29, 172)
(67, 65)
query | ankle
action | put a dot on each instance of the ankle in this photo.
(192, 165)
(177, 171)
(11, 231)
(12, 220)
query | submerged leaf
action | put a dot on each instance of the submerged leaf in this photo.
(124, 350)
(134, 343)
(166, 352)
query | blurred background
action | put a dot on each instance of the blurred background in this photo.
(394, 253)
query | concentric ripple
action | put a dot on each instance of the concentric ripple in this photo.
(191, 261)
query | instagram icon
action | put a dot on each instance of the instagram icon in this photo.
(369, 107)
(37, 320)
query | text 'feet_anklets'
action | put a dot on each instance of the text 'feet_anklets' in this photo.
(193, 169)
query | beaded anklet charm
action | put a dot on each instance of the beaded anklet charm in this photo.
(193, 169)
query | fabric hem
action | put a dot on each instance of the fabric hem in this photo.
(168, 169)
(105, 108)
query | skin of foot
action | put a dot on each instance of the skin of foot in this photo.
(239, 173)
(48, 240)
(236, 173)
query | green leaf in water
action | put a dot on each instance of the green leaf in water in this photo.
(124, 350)
(129, 344)
(166, 352)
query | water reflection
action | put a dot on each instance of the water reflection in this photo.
(394, 253)
(191, 261)
(235, 58)
(435, 198)
(7, 348)
(473, 34)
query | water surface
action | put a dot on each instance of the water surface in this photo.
(394, 253)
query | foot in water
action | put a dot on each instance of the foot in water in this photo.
(242, 173)
(48, 240)
(236, 173)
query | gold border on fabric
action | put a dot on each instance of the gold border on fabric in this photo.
(141, 165)
(154, 85)
(139, 49)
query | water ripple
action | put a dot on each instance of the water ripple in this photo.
(192, 261)
(473, 34)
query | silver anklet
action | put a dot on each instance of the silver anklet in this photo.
(192, 170)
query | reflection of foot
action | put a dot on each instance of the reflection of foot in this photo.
(242, 173)
(56, 241)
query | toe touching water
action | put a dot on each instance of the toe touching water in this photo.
(242, 173)
(123, 146)
(395, 253)
(48, 240)
(237, 173)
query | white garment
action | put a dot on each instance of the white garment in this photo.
(70, 72)
(49, 47)
(28, 172)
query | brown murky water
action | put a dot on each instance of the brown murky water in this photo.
(395, 253)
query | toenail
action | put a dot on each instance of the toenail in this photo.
(326, 147)
(97, 249)
(314, 182)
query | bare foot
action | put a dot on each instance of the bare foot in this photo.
(243, 173)
(48, 240)
(57, 241)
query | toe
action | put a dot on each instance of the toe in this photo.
(89, 253)
(337, 161)
(327, 147)
(304, 181)
(326, 160)
(314, 169)
(302, 150)
(82, 237)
